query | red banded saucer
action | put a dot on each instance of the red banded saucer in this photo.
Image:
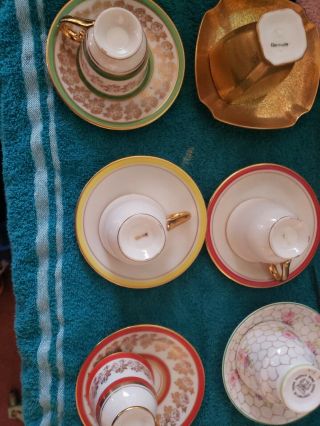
(176, 366)
(277, 183)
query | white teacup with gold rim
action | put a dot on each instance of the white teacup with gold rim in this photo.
(120, 391)
(133, 228)
(260, 230)
(113, 56)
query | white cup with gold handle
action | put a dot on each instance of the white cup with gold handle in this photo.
(133, 228)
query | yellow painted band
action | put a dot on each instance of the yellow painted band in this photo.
(119, 164)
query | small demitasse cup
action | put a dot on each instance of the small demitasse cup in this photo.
(133, 228)
(113, 54)
(276, 365)
(260, 230)
(253, 59)
(120, 391)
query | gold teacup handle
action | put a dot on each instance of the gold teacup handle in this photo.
(69, 32)
(283, 276)
(176, 219)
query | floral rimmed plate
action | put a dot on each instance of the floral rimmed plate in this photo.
(165, 73)
(305, 323)
(283, 105)
(163, 182)
(177, 367)
(271, 181)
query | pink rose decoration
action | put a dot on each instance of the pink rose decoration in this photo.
(317, 319)
(234, 377)
(312, 348)
(288, 317)
(289, 334)
(243, 358)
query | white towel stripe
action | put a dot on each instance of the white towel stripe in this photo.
(41, 205)
(59, 222)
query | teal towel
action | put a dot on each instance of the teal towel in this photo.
(63, 307)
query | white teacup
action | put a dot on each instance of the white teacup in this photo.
(133, 228)
(260, 230)
(275, 364)
(113, 56)
(121, 391)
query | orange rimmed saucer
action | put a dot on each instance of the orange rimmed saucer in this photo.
(277, 183)
(177, 368)
(283, 105)
(162, 181)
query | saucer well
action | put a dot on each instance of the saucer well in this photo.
(283, 105)
(271, 181)
(305, 323)
(177, 368)
(156, 95)
(312, 10)
(162, 181)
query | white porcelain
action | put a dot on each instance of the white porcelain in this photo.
(133, 228)
(179, 377)
(274, 363)
(282, 36)
(260, 230)
(120, 381)
(273, 182)
(113, 58)
(135, 416)
(133, 405)
(296, 319)
(106, 84)
(118, 33)
(111, 64)
(167, 185)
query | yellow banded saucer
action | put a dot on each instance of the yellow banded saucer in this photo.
(162, 181)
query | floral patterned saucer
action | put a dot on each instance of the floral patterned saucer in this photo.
(166, 70)
(271, 181)
(305, 322)
(177, 368)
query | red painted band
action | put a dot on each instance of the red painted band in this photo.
(142, 328)
(211, 249)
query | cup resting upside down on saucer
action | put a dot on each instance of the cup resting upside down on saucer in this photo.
(133, 228)
(259, 230)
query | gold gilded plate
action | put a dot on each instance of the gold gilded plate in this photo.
(284, 104)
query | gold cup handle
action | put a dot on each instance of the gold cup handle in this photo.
(176, 219)
(284, 274)
(64, 27)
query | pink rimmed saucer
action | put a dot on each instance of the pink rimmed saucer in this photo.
(306, 324)
(277, 183)
(177, 368)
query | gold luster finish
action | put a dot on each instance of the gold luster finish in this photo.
(286, 101)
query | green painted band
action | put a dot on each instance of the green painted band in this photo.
(97, 120)
(147, 77)
(110, 76)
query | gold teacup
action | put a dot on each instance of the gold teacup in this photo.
(255, 58)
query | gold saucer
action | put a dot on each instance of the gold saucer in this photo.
(283, 105)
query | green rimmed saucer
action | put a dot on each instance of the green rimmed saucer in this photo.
(150, 102)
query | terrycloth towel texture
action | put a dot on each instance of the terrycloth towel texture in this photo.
(63, 307)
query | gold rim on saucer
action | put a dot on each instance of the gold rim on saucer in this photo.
(177, 366)
(155, 96)
(284, 104)
(184, 243)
